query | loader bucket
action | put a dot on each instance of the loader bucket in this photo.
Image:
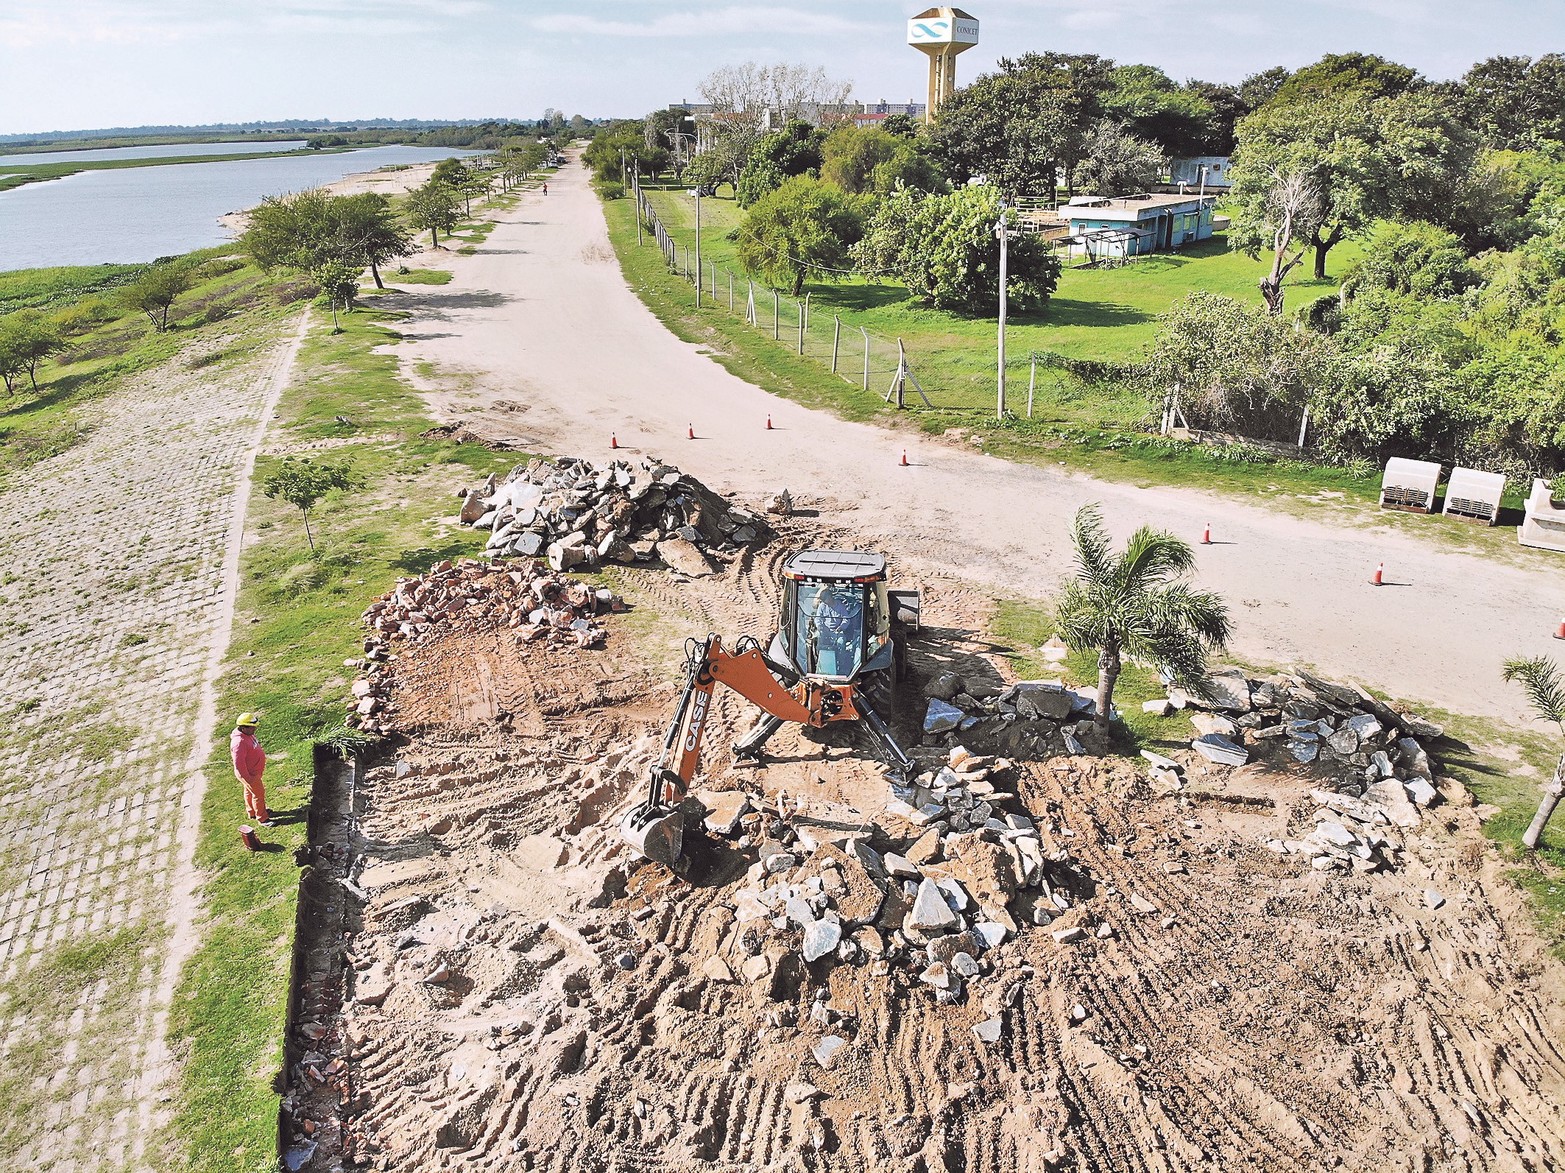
(655, 832)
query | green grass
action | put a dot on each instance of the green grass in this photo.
(419, 277)
(231, 1001)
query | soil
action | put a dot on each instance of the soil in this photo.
(523, 993)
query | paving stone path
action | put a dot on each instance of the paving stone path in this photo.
(117, 570)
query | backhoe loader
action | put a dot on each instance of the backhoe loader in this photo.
(839, 653)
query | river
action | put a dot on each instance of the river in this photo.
(159, 151)
(134, 214)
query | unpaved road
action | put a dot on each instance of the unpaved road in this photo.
(541, 316)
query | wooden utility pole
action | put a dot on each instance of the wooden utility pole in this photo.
(1003, 232)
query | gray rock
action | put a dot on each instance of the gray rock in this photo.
(685, 557)
(964, 964)
(1304, 751)
(1160, 708)
(1205, 723)
(988, 1031)
(1432, 898)
(945, 686)
(1160, 761)
(1344, 742)
(1365, 725)
(779, 861)
(1420, 728)
(1230, 691)
(1067, 936)
(820, 938)
(992, 933)
(826, 1050)
(1216, 748)
(899, 866)
(930, 912)
(1421, 792)
(941, 717)
(1040, 699)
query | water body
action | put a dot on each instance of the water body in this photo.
(138, 214)
(166, 150)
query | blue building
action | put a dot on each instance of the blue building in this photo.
(1135, 225)
(1210, 170)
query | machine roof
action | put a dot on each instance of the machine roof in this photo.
(835, 564)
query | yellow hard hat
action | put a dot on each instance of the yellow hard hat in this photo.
(246, 719)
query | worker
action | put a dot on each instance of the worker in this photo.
(546, 189)
(839, 632)
(249, 764)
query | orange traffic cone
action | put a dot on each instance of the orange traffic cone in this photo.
(1380, 576)
(690, 431)
(1206, 536)
(768, 423)
(1559, 632)
(904, 458)
(613, 440)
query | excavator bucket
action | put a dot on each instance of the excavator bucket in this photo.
(655, 832)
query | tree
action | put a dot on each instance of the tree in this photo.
(1293, 209)
(1135, 606)
(452, 172)
(1025, 124)
(367, 232)
(803, 227)
(945, 249)
(869, 160)
(623, 143)
(788, 91)
(156, 290)
(1516, 103)
(1150, 106)
(26, 339)
(1413, 258)
(302, 483)
(433, 206)
(339, 282)
(1544, 684)
(1368, 160)
(1119, 163)
(308, 229)
(778, 157)
(1356, 75)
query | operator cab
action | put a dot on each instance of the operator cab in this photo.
(836, 621)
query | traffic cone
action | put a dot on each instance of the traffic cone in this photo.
(1206, 535)
(690, 431)
(613, 440)
(904, 458)
(1559, 632)
(1380, 576)
(768, 423)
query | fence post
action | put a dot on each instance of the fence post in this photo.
(1304, 426)
(1032, 381)
(714, 282)
(730, 273)
(638, 207)
(776, 315)
(865, 332)
(836, 339)
(687, 271)
(804, 309)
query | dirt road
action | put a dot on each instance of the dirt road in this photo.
(542, 317)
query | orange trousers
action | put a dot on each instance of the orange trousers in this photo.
(255, 800)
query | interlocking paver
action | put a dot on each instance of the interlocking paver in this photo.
(112, 593)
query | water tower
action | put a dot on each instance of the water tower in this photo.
(940, 34)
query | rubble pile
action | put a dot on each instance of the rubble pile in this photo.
(1031, 717)
(938, 900)
(523, 596)
(577, 514)
(1377, 773)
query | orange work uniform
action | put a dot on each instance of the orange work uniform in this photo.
(249, 765)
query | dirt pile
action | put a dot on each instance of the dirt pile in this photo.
(577, 513)
(523, 598)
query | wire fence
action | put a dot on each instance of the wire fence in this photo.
(850, 352)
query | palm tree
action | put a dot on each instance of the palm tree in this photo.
(1544, 684)
(1132, 605)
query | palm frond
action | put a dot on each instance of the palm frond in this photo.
(1202, 613)
(1543, 683)
(1152, 556)
(1090, 540)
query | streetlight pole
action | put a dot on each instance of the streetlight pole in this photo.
(1002, 230)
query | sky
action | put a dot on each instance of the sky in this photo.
(77, 64)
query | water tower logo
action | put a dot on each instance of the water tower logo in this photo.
(940, 34)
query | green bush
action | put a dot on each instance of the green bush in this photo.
(610, 189)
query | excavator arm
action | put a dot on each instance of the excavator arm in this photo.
(655, 827)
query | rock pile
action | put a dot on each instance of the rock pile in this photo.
(1031, 717)
(1377, 773)
(577, 514)
(523, 596)
(939, 898)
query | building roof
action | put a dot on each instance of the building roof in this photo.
(1134, 208)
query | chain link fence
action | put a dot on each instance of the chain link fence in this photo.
(850, 352)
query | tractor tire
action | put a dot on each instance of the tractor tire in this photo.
(880, 690)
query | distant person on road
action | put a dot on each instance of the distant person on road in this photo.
(249, 764)
(546, 189)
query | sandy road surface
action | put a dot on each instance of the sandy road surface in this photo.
(541, 316)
